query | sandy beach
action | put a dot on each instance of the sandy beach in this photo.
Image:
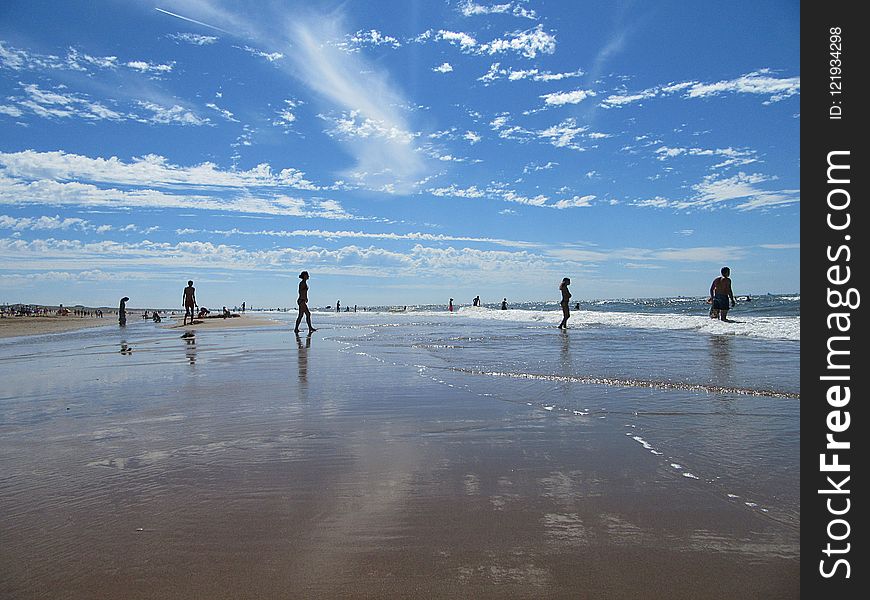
(249, 462)
(21, 326)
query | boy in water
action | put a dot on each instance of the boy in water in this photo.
(720, 293)
(189, 301)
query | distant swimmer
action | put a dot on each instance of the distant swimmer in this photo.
(476, 301)
(504, 303)
(122, 311)
(189, 303)
(302, 301)
(566, 296)
(576, 306)
(450, 305)
(720, 293)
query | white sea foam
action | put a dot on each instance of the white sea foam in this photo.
(779, 328)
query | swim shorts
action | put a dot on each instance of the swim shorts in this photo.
(720, 301)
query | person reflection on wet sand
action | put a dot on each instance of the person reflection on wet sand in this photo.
(720, 351)
(189, 338)
(303, 358)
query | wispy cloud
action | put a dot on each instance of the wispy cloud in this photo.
(18, 59)
(760, 82)
(376, 133)
(741, 192)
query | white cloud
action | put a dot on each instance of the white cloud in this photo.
(41, 223)
(472, 137)
(270, 56)
(443, 68)
(45, 192)
(741, 192)
(17, 59)
(172, 114)
(10, 111)
(496, 72)
(527, 43)
(148, 67)
(758, 82)
(560, 98)
(563, 134)
(226, 114)
(752, 83)
(151, 170)
(370, 38)
(193, 38)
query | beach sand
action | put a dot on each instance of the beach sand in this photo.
(19, 326)
(254, 463)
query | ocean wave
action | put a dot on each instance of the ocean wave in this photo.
(777, 328)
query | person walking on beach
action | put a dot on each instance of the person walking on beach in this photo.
(720, 293)
(302, 301)
(450, 305)
(122, 311)
(504, 303)
(476, 301)
(566, 296)
(189, 302)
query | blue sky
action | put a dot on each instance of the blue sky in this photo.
(402, 152)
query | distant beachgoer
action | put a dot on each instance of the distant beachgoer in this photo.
(243, 307)
(225, 313)
(576, 306)
(720, 293)
(354, 308)
(476, 301)
(450, 305)
(338, 306)
(189, 302)
(122, 311)
(156, 317)
(566, 295)
(504, 303)
(302, 301)
(203, 311)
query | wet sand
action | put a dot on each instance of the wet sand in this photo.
(253, 463)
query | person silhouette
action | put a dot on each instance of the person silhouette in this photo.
(189, 303)
(302, 301)
(566, 296)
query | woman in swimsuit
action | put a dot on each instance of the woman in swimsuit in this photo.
(566, 295)
(303, 302)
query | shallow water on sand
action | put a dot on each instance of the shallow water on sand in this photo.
(398, 455)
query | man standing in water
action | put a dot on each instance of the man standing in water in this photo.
(189, 301)
(720, 293)
(566, 296)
